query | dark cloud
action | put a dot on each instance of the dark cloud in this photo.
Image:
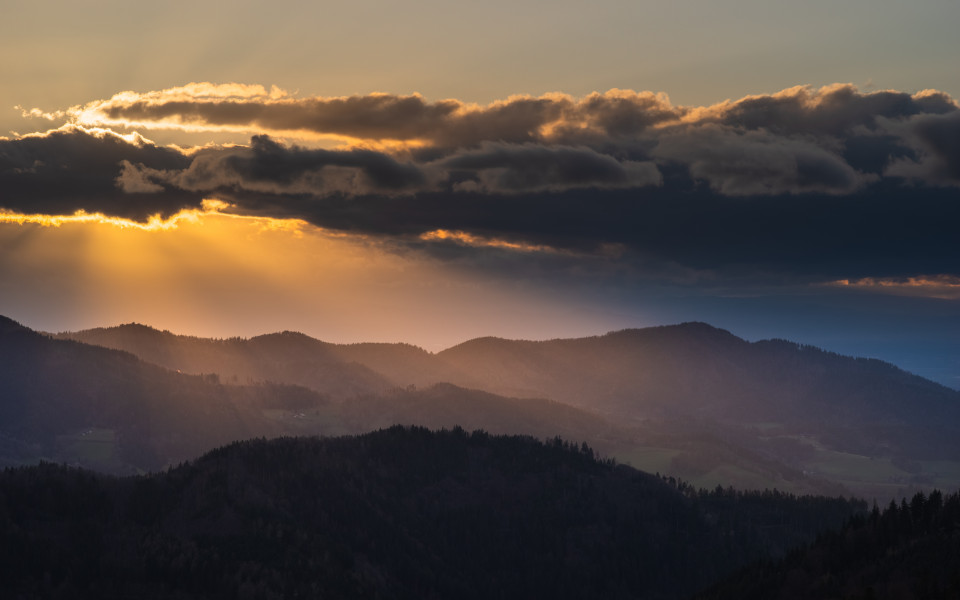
(524, 168)
(374, 117)
(806, 184)
(271, 167)
(747, 163)
(447, 124)
(517, 120)
(937, 142)
(883, 230)
(873, 152)
(267, 167)
(625, 113)
(72, 169)
(831, 111)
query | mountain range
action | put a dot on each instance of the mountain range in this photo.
(689, 399)
(332, 495)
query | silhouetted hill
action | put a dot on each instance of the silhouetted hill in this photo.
(863, 423)
(69, 401)
(401, 513)
(10, 327)
(909, 550)
(286, 357)
(687, 370)
(695, 370)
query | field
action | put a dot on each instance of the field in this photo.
(93, 448)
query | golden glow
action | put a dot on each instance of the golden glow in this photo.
(476, 241)
(561, 113)
(94, 115)
(36, 113)
(156, 222)
(212, 273)
(930, 286)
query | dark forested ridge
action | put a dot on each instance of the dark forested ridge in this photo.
(399, 513)
(909, 550)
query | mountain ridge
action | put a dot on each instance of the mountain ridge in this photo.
(681, 389)
(105, 408)
(698, 327)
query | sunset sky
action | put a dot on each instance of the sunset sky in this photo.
(430, 172)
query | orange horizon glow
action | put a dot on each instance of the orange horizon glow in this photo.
(931, 286)
(209, 207)
(478, 241)
(211, 273)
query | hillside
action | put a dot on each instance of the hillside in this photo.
(107, 409)
(689, 370)
(698, 401)
(399, 513)
(286, 357)
(70, 402)
(694, 369)
(908, 550)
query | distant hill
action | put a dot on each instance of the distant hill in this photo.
(865, 423)
(286, 357)
(64, 400)
(692, 394)
(687, 370)
(71, 402)
(694, 369)
(399, 513)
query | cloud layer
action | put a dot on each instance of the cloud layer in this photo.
(814, 183)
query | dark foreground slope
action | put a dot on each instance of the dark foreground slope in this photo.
(400, 513)
(910, 550)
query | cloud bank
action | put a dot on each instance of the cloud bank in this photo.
(828, 183)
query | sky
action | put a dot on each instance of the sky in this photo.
(430, 172)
